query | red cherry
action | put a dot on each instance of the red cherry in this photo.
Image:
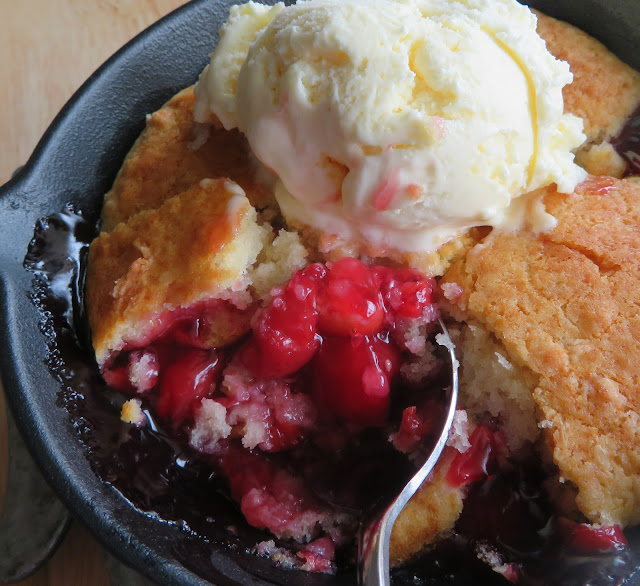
(189, 378)
(188, 332)
(353, 378)
(349, 301)
(586, 538)
(270, 496)
(405, 292)
(412, 430)
(284, 334)
(471, 466)
(318, 555)
(116, 373)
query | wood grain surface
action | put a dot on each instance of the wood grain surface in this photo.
(47, 49)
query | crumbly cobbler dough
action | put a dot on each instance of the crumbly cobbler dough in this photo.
(195, 246)
(172, 154)
(331, 248)
(429, 516)
(491, 383)
(604, 93)
(565, 307)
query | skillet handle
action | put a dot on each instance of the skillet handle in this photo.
(33, 521)
(14, 212)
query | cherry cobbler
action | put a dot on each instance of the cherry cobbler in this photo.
(312, 382)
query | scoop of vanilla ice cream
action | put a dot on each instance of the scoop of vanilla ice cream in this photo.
(397, 123)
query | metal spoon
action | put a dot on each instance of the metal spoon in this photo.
(373, 550)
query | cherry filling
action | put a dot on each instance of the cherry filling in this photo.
(418, 422)
(285, 332)
(317, 368)
(155, 472)
(191, 376)
(287, 413)
(585, 538)
(333, 321)
(471, 466)
(350, 301)
(509, 524)
(352, 378)
(627, 143)
(337, 319)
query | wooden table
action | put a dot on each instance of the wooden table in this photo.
(48, 48)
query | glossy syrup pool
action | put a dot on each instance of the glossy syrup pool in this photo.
(158, 475)
(627, 143)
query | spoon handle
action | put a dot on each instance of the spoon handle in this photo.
(373, 554)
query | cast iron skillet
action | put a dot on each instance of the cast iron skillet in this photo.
(75, 163)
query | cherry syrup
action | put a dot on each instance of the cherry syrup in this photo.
(152, 467)
(148, 467)
(627, 143)
(507, 522)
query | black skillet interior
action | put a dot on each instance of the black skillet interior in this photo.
(45, 367)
